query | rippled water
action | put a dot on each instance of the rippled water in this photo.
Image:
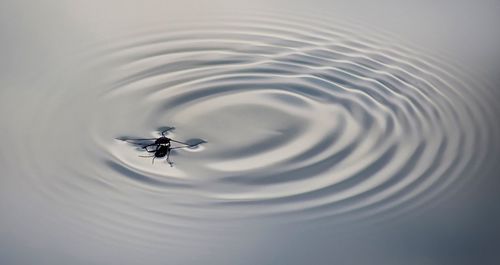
(305, 121)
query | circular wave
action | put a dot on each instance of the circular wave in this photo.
(303, 121)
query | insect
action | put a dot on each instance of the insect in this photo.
(162, 145)
(163, 140)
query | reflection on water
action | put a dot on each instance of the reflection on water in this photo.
(304, 121)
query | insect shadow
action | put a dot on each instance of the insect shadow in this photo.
(161, 146)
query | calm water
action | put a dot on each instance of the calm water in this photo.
(321, 135)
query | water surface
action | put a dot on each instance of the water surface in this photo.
(316, 129)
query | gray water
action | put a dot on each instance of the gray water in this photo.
(331, 137)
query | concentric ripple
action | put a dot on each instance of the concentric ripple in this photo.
(302, 120)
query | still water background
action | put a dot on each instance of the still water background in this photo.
(338, 132)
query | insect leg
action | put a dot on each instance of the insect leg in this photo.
(146, 146)
(191, 145)
(168, 158)
(179, 142)
(169, 129)
(145, 139)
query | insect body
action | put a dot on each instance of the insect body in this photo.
(162, 145)
(161, 151)
(163, 140)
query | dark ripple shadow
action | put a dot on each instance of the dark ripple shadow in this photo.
(142, 178)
